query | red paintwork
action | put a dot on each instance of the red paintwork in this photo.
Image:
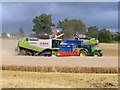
(62, 54)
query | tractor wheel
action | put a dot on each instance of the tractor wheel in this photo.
(96, 54)
(82, 53)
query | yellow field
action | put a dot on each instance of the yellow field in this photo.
(25, 79)
(109, 49)
(18, 79)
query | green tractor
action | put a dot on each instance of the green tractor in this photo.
(90, 50)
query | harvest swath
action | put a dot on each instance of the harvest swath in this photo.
(61, 69)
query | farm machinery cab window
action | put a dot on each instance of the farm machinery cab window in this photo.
(56, 43)
(88, 47)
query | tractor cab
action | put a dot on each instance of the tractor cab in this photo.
(87, 47)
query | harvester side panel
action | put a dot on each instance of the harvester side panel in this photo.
(45, 43)
(27, 45)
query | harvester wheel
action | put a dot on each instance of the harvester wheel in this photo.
(22, 52)
(83, 53)
(28, 53)
(36, 54)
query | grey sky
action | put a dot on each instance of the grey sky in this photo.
(102, 15)
(59, 0)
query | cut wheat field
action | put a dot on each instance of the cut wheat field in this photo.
(18, 79)
(109, 61)
(54, 72)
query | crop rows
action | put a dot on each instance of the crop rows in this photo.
(62, 69)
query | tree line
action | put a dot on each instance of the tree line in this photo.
(14, 35)
(103, 35)
(43, 24)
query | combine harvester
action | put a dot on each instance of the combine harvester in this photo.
(55, 47)
(38, 47)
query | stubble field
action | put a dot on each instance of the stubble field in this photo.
(59, 77)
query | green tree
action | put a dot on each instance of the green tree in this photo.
(42, 24)
(92, 32)
(21, 32)
(104, 36)
(113, 36)
(117, 36)
(70, 27)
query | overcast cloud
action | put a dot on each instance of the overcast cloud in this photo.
(102, 15)
(60, 0)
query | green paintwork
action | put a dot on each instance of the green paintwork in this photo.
(54, 49)
(26, 44)
(95, 49)
(85, 49)
(91, 51)
(91, 42)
